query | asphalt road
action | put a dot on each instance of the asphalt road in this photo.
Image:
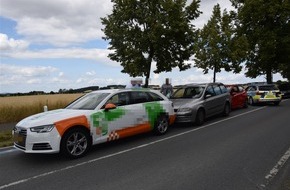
(250, 149)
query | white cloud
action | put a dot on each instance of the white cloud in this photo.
(100, 55)
(11, 44)
(65, 22)
(12, 74)
(57, 22)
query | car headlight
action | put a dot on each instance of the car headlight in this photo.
(42, 129)
(184, 110)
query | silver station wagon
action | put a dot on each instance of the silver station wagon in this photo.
(196, 102)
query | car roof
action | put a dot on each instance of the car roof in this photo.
(203, 84)
(263, 85)
(123, 90)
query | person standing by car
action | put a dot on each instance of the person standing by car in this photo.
(166, 89)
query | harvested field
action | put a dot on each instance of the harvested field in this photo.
(15, 108)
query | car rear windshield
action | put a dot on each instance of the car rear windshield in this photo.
(88, 101)
(268, 88)
(188, 92)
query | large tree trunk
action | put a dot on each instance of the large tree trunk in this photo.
(147, 75)
(214, 74)
(269, 76)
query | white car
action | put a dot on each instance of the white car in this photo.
(97, 117)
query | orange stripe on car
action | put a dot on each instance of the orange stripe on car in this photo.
(172, 119)
(130, 131)
(65, 124)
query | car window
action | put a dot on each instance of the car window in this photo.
(178, 93)
(88, 102)
(188, 92)
(217, 89)
(119, 99)
(268, 87)
(240, 88)
(140, 97)
(235, 89)
(193, 92)
(223, 89)
(210, 91)
(155, 97)
(251, 88)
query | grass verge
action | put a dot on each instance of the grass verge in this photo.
(6, 138)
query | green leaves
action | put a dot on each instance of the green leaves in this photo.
(265, 24)
(218, 46)
(142, 31)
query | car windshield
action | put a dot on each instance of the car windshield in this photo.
(188, 92)
(268, 88)
(88, 101)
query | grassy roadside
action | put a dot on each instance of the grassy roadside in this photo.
(6, 138)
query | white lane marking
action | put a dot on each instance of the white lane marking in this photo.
(274, 171)
(124, 151)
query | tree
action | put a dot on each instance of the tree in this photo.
(266, 26)
(142, 31)
(218, 45)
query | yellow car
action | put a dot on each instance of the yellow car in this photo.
(263, 93)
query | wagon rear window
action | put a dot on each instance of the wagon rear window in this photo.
(267, 88)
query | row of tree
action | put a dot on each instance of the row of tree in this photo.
(256, 36)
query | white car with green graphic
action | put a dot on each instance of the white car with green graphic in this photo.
(97, 117)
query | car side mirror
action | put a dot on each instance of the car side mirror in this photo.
(110, 106)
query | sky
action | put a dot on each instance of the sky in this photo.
(49, 45)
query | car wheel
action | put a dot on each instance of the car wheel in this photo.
(200, 117)
(75, 143)
(245, 103)
(161, 125)
(251, 101)
(227, 109)
(276, 103)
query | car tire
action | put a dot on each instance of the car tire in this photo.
(200, 117)
(245, 103)
(227, 109)
(161, 125)
(251, 101)
(75, 143)
(276, 103)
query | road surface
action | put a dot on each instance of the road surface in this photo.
(250, 149)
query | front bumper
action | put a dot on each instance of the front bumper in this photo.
(32, 142)
(184, 118)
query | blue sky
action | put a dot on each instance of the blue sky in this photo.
(49, 45)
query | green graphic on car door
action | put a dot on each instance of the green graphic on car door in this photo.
(153, 110)
(101, 119)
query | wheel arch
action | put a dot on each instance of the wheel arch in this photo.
(81, 127)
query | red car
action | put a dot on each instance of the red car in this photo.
(238, 95)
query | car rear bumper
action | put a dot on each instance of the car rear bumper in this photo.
(267, 100)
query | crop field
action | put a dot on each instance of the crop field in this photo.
(15, 108)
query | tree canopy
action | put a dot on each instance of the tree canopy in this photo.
(142, 31)
(218, 45)
(266, 26)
